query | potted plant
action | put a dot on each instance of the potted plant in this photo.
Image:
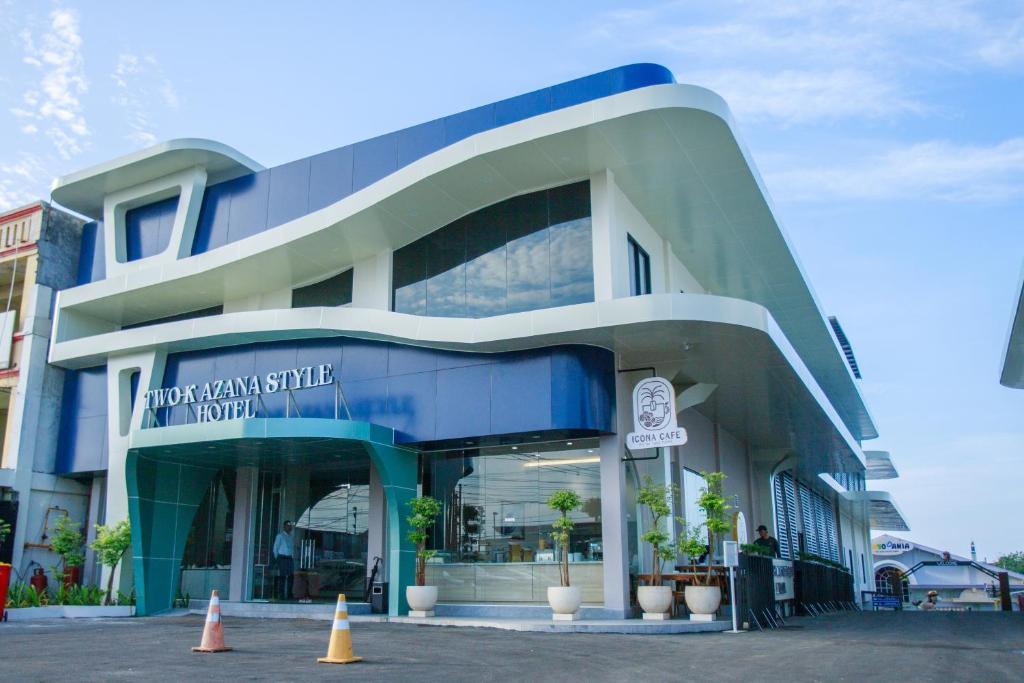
(421, 597)
(703, 598)
(564, 599)
(656, 599)
(110, 545)
(67, 541)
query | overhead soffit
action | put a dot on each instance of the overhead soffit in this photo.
(672, 152)
(883, 513)
(880, 465)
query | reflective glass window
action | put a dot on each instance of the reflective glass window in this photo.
(334, 291)
(494, 535)
(525, 253)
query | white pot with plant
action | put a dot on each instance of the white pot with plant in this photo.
(702, 598)
(656, 599)
(564, 599)
(421, 597)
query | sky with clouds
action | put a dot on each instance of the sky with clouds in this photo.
(889, 135)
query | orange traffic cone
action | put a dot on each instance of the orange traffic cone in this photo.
(213, 631)
(340, 649)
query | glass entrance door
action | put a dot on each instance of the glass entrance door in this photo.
(327, 505)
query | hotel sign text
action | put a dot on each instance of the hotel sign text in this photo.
(232, 399)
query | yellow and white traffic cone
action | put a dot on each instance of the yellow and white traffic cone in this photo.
(340, 649)
(213, 631)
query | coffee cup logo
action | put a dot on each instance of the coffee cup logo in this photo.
(654, 416)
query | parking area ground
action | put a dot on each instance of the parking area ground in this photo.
(843, 647)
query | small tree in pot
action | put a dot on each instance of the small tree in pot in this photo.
(703, 598)
(110, 545)
(656, 600)
(565, 599)
(67, 541)
(422, 597)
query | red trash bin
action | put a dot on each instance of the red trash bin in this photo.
(5, 578)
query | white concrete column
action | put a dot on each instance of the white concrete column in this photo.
(122, 419)
(602, 234)
(241, 533)
(614, 538)
(375, 546)
(371, 282)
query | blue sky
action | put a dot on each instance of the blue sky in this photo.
(889, 134)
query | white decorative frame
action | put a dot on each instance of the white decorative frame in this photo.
(188, 185)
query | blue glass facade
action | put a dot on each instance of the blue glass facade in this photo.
(235, 209)
(425, 395)
(525, 253)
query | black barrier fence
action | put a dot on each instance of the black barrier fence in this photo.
(756, 584)
(819, 585)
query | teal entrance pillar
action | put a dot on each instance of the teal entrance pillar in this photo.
(397, 467)
(162, 501)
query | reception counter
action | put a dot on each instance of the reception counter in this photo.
(525, 582)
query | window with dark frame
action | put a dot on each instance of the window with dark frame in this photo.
(639, 269)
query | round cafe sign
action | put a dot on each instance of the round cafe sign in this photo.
(654, 416)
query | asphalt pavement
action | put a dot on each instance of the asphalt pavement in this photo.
(871, 646)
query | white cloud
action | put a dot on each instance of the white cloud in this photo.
(934, 170)
(797, 96)
(52, 104)
(18, 180)
(141, 89)
(802, 61)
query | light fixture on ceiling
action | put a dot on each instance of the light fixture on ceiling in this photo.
(565, 461)
(568, 443)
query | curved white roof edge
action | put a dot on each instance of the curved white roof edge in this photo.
(83, 191)
(884, 513)
(1013, 359)
(880, 465)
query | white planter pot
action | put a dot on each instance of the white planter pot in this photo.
(564, 599)
(421, 598)
(703, 599)
(654, 599)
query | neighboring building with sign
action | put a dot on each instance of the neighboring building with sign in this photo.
(469, 308)
(958, 584)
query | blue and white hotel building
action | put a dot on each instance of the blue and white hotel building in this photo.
(459, 309)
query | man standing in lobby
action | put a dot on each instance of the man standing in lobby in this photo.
(284, 552)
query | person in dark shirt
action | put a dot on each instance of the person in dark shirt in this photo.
(766, 541)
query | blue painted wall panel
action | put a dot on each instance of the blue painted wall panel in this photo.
(373, 159)
(289, 192)
(148, 228)
(419, 141)
(330, 177)
(82, 445)
(412, 406)
(249, 206)
(465, 397)
(212, 228)
(521, 393)
(522, 107)
(91, 260)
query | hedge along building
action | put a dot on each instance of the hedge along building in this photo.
(462, 309)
